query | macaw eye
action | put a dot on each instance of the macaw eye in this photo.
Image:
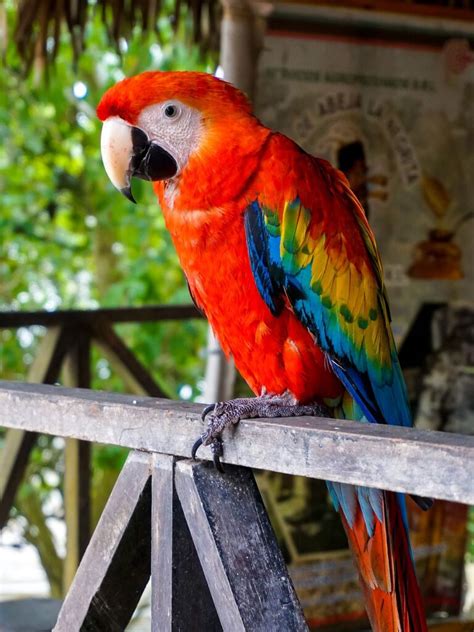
(171, 111)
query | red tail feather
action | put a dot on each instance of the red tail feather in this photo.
(385, 566)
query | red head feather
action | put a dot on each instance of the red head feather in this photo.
(205, 92)
(232, 140)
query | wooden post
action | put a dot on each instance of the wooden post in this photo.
(180, 594)
(162, 543)
(77, 458)
(209, 546)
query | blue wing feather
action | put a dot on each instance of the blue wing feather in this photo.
(259, 253)
(378, 392)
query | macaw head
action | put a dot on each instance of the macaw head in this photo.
(157, 124)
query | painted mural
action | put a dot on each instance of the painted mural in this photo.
(398, 119)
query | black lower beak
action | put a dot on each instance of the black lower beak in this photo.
(127, 191)
(149, 161)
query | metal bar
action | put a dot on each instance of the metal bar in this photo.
(238, 549)
(426, 463)
(116, 566)
(12, 320)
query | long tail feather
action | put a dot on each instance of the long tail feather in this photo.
(386, 570)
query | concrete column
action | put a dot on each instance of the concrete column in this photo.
(220, 373)
(239, 48)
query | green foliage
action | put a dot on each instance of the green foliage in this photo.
(470, 535)
(69, 240)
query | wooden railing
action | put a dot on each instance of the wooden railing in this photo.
(64, 354)
(204, 537)
(71, 334)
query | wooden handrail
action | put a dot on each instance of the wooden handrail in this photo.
(426, 463)
(12, 320)
(64, 353)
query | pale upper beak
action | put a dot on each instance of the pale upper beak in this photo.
(127, 152)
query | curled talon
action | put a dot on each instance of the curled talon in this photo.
(197, 444)
(217, 452)
(207, 410)
(225, 414)
(217, 464)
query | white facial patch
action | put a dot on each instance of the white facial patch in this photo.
(174, 126)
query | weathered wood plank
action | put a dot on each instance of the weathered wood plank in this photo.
(180, 594)
(77, 462)
(77, 509)
(192, 599)
(238, 549)
(151, 313)
(162, 543)
(116, 566)
(434, 464)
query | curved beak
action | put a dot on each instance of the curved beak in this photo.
(127, 152)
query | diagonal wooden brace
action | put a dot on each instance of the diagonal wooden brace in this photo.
(242, 562)
(116, 566)
(15, 454)
(207, 542)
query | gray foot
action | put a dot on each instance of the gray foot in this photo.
(224, 414)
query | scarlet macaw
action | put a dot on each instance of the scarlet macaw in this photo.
(279, 256)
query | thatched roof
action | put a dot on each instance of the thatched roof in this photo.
(39, 22)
